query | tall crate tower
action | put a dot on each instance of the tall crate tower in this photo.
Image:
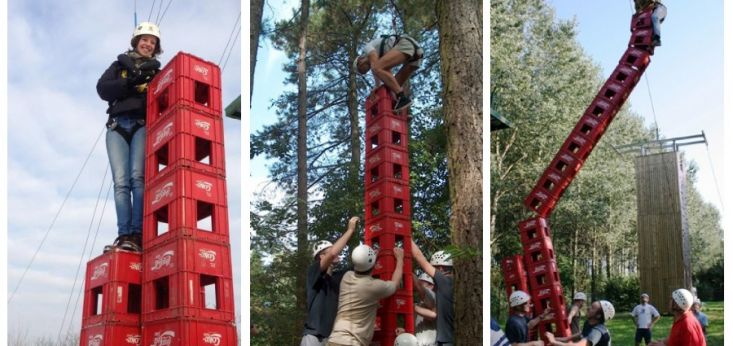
(387, 203)
(187, 287)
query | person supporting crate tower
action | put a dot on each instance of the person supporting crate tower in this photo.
(322, 288)
(359, 298)
(124, 86)
(519, 324)
(384, 53)
(440, 268)
(575, 312)
(594, 331)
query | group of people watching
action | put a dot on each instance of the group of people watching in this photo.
(688, 329)
(342, 305)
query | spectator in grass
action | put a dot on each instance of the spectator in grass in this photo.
(594, 331)
(645, 316)
(701, 317)
(686, 330)
(575, 312)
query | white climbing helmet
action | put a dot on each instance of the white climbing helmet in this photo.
(405, 339)
(425, 277)
(683, 298)
(518, 298)
(146, 28)
(441, 258)
(579, 296)
(320, 246)
(363, 258)
(608, 310)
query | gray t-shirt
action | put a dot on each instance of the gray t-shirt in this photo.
(322, 294)
(444, 306)
(597, 335)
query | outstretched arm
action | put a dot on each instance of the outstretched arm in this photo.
(426, 313)
(421, 260)
(399, 254)
(339, 245)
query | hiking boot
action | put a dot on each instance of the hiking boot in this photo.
(403, 101)
(132, 243)
(116, 244)
(656, 41)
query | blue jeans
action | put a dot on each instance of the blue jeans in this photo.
(658, 15)
(127, 161)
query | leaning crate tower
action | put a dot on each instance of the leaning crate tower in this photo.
(182, 282)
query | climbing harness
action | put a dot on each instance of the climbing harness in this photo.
(414, 57)
(112, 125)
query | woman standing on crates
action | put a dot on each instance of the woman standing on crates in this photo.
(124, 86)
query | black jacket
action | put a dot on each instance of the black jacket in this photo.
(123, 98)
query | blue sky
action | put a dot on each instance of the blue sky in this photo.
(57, 51)
(685, 75)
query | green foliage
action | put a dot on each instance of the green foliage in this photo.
(623, 292)
(709, 283)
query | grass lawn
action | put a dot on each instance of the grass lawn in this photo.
(623, 330)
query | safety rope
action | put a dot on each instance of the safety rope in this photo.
(230, 40)
(715, 179)
(53, 222)
(151, 10)
(81, 258)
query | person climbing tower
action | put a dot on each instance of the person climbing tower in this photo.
(659, 12)
(384, 53)
(124, 86)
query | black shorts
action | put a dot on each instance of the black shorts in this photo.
(644, 333)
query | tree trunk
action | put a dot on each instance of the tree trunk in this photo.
(460, 30)
(255, 27)
(302, 194)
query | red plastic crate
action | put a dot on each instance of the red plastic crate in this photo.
(578, 144)
(189, 331)
(625, 75)
(387, 225)
(117, 302)
(387, 130)
(397, 303)
(187, 254)
(380, 101)
(554, 182)
(554, 290)
(115, 265)
(386, 170)
(387, 154)
(391, 188)
(533, 228)
(615, 93)
(539, 250)
(541, 202)
(111, 334)
(182, 119)
(636, 58)
(641, 38)
(567, 163)
(386, 263)
(385, 242)
(184, 217)
(641, 20)
(185, 80)
(543, 274)
(592, 127)
(555, 303)
(183, 150)
(388, 207)
(183, 294)
(186, 182)
(512, 264)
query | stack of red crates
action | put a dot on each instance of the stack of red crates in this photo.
(187, 287)
(543, 276)
(515, 275)
(112, 300)
(594, 122)
(387, 202)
